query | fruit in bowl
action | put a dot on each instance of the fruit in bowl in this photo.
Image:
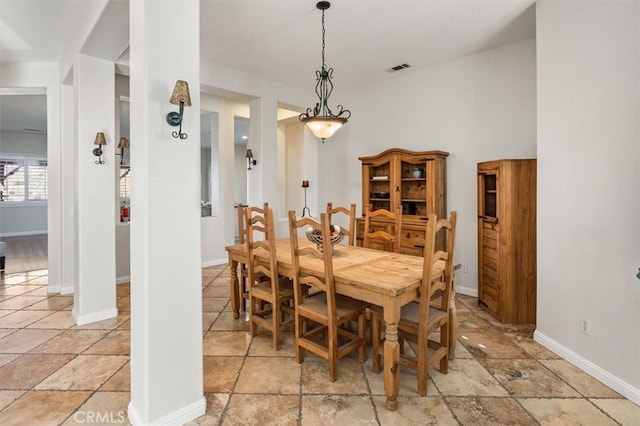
(315, 236)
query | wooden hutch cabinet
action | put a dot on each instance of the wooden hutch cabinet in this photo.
(507, 239)
(414, 180)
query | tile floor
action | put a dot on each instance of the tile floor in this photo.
(53, 372)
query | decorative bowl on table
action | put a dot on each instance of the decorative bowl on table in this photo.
(315, 236)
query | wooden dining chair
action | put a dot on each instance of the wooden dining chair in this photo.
(351, 220)
(388, 239)
(270, 296)
(242, 268)
(321, 318)
(419, 320)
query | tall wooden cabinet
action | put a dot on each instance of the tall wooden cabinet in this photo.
(507, 239)
(415, 180)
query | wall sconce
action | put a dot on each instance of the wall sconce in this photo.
(250, 159)
(124, 143)
(305, 210)
(180, 97)
(100, 140)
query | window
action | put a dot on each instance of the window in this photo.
(23, 179)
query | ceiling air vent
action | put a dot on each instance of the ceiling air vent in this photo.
(398, 67)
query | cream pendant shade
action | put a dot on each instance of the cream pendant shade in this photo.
(324, 127)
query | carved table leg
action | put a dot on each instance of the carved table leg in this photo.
(453, 322)
(391, 355)
(233, 288)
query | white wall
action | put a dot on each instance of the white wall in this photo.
(479, 107)
(588, 187)
(23, 219)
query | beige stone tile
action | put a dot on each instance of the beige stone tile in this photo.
(350, 378)
(14, 279)
(4, 297)
(261, 410)
(104, 408)
(221, 373)
(6, 331)
(216, 291)
(489, 344)
(5, 312)
(269, 375)
(408, 382)
(21, 302)
(461, 352)
(531, 347)
(337, 410)
(126, 325)
(85, 372)
(70, 342)
(115, 343)
(16, 290)
(59, 320)
(7, 358)
(528, 378)
(623, 411)
(482, 411)
(108, 324)
(123, 289)
(226, 343)
(206, 281)
(21, 319)
(565, 411)
(39, 280)
(8, 396)
(208, 319)
(120, 381)
(30, 369)
(466, 377)
(124, 304)
(24, 340)
(262, 343)
(42, 408)
(211, 271)
(468, 322)
(579, 380)
(414, 411)
(39, 291)
(53, 303)
(221, 281)
(216, 403)
(214, 304)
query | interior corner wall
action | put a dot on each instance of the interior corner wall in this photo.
(479, 107)
(589, 187)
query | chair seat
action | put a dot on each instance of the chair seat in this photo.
(345, 306)
(264, 288)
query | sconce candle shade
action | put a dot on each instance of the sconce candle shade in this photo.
(180, 96)
(250, 160)
(100, 140)
(124, 143)
(305, 183)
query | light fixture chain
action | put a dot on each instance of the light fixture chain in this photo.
(323, 39)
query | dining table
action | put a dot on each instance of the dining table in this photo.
(386, 279)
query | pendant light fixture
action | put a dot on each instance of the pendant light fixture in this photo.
(320, 119)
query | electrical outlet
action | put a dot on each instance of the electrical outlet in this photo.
(586, 326)
(465, 268)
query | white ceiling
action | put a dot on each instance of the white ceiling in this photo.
(281, 39)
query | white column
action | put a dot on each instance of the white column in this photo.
(166, 289)
(95, 289)
(263, 141)
(68, 166)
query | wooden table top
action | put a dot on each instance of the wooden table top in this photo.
(374, 272)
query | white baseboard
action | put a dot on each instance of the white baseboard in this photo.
(123, 280)
(66, 290)
(215, 262)
(468, 291)
(623, 388)
(94, 316)
(178, 417)
(21, 234)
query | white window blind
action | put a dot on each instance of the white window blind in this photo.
(125, 182)
(23, 179)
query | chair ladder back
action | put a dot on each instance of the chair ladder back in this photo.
(242, 226)
(351, 215)
(391, 237)
(427, 271)
(261, 252)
